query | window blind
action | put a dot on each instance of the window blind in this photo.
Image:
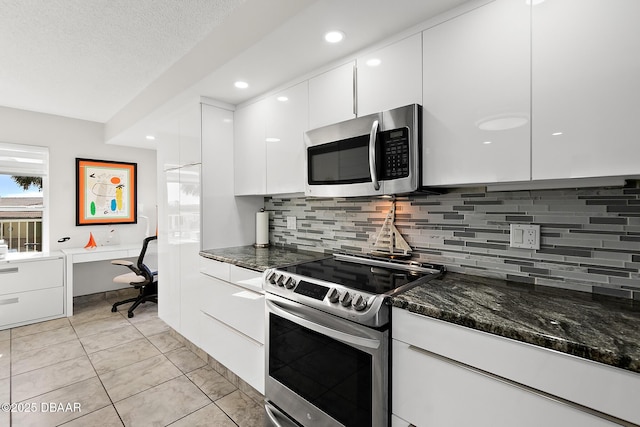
(23, 160)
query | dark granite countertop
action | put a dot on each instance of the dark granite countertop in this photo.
(603, 329)
(260, 259)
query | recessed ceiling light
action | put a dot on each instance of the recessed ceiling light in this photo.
(241, 85)
(272, 139)
(334, 36)
(556, 133)
(227, 120)
(487, 142)
(533, 2)
(150, 137)
(282, 98)
(373, 62)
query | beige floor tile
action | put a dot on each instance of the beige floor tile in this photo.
(91, 312)
(35, 359)
(152, 326)
(5, 335)
(185, 359)
(5, 397)
(142, 313)
(87, 396)
(243, 410)
(211, 383)
(122, 355)
(163, 404)
(49, 378)
(42, 339)
(140, 376)
(105, 417)
(165, 342)
(5, 359)
(208, 416)
(100, 325)
(111, 338)
(49, 325)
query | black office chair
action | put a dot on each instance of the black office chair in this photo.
(143, 276)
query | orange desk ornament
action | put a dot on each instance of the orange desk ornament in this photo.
(91, 243)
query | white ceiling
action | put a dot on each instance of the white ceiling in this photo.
(117, 61)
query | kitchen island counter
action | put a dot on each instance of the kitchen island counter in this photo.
(594, 327)
(260, 259)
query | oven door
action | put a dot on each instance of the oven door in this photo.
(322, 370)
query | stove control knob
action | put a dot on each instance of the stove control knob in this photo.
(345, 299)
(289, 283)
(359, 303)
(333, 295)
(272, 277)
(281, 279)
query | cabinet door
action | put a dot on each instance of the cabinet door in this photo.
(249, 154)
(287, 120)
(190, 128)
(331, 96)
(477, 96)
(390, 77)
(169, 247)
(168, 145)
(585, 88)
(428, 390)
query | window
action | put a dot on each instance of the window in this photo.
(23, 214)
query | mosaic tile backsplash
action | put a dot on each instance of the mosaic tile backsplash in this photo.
(590, 237)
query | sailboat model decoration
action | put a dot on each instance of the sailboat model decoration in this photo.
(390, 242)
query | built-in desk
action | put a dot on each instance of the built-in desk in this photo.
(100, 253)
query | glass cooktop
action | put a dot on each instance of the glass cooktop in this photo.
(374, 279)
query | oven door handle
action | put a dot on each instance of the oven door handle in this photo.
(322, 329)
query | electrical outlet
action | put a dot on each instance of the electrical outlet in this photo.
(525, 236)
(291, 222)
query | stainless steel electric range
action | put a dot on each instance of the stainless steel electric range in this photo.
(327, 342)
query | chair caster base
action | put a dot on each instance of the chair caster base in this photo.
(114, 309)
(129, 315)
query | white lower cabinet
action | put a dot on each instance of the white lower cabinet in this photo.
(232, 322)
(447, 375)
(31, 291)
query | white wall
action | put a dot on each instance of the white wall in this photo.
(67, 139)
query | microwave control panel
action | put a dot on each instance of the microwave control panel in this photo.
(395, 153)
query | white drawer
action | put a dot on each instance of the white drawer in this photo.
(31, 306)
(243, 356)
(246, 278)
(236, 307)
(30, 275)
(595, 385)
(213, 268)
(431, 391)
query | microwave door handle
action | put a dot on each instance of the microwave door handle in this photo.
(372, 155)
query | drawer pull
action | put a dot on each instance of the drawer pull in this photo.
(10, 301)
(9, 270)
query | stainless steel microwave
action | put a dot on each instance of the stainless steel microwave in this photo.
(374, 155)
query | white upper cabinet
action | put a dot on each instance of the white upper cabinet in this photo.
(390, 77)
(287, 119)
(586, 87)
(250, 151)
(190, 125)
(331, 96)
(178, 139)
(476, 99)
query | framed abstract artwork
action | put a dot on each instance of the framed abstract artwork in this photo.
(105, 192)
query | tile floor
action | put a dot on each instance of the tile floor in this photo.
(99, 368)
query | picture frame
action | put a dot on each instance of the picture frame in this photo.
(106, 192)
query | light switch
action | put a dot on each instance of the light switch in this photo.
(518, 236)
